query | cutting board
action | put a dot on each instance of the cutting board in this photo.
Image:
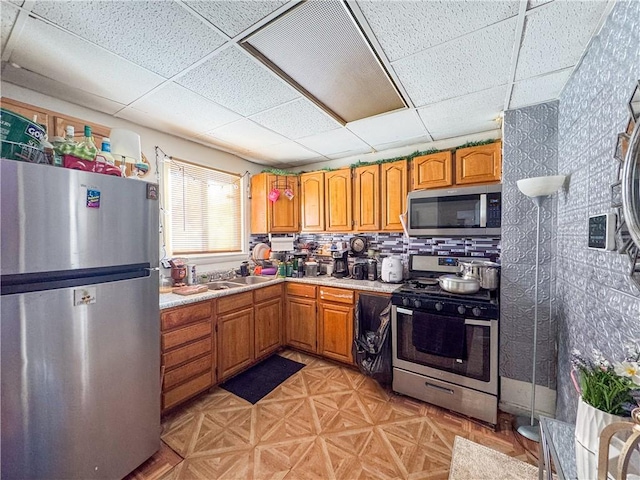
(190, 290)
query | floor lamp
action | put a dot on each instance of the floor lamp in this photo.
(537, 188)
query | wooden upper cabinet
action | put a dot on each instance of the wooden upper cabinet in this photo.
(337, 194)
(432, 171)
(366, 198)
(312, 201)
(393, 186)
(482, 164)
(36, 114)
(281, 216)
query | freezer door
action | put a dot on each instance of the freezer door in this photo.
(80, 383)
(56, 219)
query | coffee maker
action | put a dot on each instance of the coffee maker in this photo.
(340, 268)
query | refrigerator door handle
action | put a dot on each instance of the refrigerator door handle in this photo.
(154, 269)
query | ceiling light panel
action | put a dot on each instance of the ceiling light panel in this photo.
(233, 80)
(467, 64)
(318, 45)
(539, 89)
(555, 36)
(296, 119)
(235, 17)
(60, 56)
(465, 115)
(405, 28)
(150, 33)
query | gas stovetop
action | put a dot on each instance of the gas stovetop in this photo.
(429, 286)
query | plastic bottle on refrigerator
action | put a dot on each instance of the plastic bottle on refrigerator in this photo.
(104, 155)
(86, 149)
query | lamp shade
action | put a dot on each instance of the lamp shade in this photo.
(126, 143)
(541, 186)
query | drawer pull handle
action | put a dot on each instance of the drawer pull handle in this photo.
(438, 387)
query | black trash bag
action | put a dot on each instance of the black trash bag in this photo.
(372, 340)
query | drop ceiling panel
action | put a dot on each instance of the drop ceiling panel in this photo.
(394, 127)
(289, 152)
(161, 36)
(55, 89)
(319, 46)
(9, 15)
(165, 124)
(405, 28)
(296, 119)
(235, 81)
(465, 115)
(183, 107)
(53, 53)
(247, 135)
(539, 89)
(335, 142)
(536, 3)
(236, 16)
(468, 64)
(556, 35)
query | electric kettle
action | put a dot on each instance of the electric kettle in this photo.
(391, 270)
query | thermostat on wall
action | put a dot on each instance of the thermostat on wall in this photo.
(601, 231)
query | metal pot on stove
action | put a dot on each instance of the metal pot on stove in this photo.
(486, 273)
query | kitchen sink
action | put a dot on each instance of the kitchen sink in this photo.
(251, 280)
(222, 285)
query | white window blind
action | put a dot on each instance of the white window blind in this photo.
(206, 209)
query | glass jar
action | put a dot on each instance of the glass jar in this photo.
(165, 284)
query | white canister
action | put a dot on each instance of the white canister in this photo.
(192, 276)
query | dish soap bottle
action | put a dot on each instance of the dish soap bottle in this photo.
(104, 155)
(86, 149)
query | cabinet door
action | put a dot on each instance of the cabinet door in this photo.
(335, 331)
(366, 198)
(394, 194)
(312, 201)
(432, 171)
(235, 342)
(481, 164)
(301, 324)
(284, 214)
(267, 317)
(337, 194)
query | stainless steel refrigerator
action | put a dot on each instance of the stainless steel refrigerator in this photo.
(79, 331)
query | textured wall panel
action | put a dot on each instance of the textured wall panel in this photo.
(597, 306)
(530, 144)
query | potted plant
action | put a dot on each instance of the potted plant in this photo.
(608, 392)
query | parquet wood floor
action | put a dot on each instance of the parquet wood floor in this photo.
(325, 422)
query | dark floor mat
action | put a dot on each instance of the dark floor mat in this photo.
(261, 379)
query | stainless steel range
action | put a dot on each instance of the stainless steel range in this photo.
(445, 345)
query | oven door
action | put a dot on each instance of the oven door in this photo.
(478, 371)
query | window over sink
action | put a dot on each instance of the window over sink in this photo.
(205, 207)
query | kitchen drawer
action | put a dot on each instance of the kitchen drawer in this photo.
(301, 290)
(186, 390)
(188, 370)
(336, 295)
(186, 353)
(234, 302)
(267, 293)
(186, 334)
(184, 315)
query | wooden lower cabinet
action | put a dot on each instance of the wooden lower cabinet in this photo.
(300, 324)
(335, 323)
(235, 342)
(268, 320)
(188, 355)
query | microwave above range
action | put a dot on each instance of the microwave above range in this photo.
(455, 211)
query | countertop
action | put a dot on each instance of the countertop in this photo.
(168, 300)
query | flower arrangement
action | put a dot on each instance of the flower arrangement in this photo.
(612, 388)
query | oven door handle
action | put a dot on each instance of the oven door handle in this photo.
(404, 311)
(480, 323)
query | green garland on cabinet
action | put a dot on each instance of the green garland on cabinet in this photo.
(280, 173)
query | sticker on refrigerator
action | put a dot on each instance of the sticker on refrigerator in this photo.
(93, 198)
(84, 296)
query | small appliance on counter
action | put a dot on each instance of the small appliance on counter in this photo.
(391, 270)
(340, 267)
(372, 269)
(178, 271)
(359, 271)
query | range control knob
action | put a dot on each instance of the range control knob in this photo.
(417, 303)
(405, 301)
(462, 309)
(476, 311)
(439, 306)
